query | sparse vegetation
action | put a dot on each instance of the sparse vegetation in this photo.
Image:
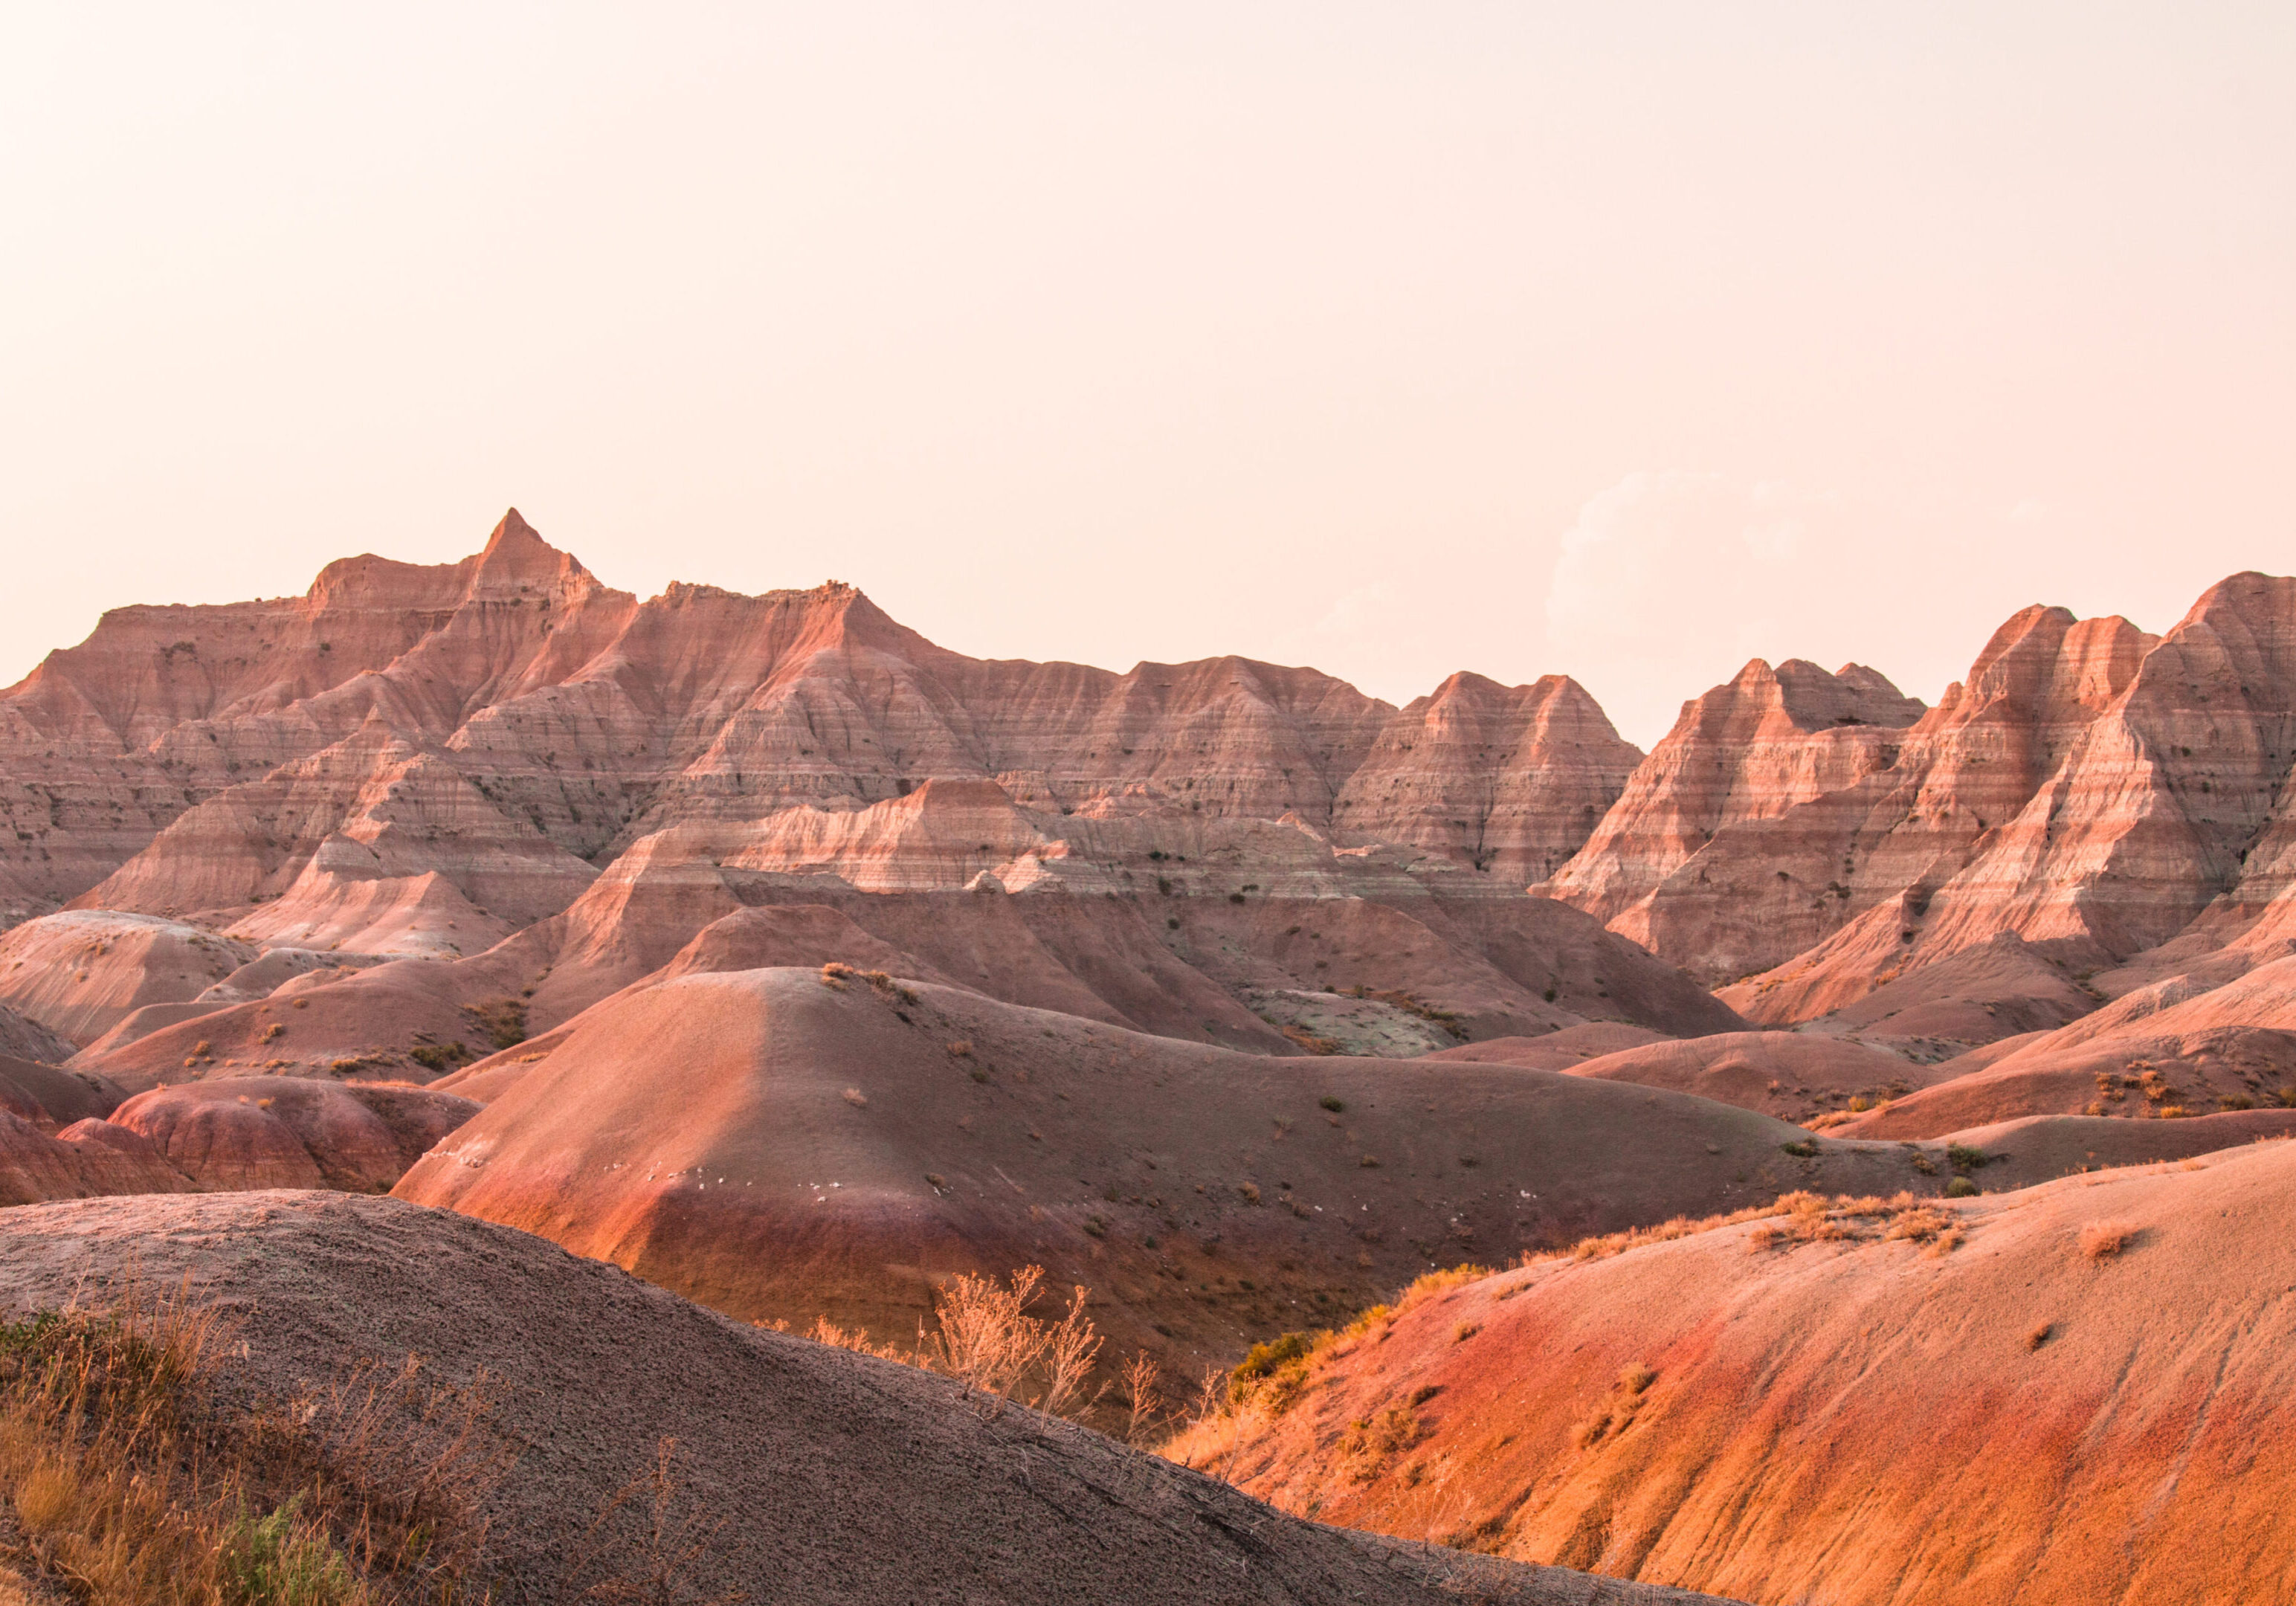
(439, 1057)
(1334, 1105)
(137, 1481)
(1616, 1412)
(2106, 1240)
(501, 1021)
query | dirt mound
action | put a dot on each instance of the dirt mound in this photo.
(2182, 1046)
(1556, 1051)
(411, 1020)
(2040, 1148)
(84, 1161)
(22, 1037)
(2001, 989)
(2088, 1399)
(838, 1477)
(1789, 1075)
(235, 1133)
(777, 1143)
(50, 1096)
(80, 973)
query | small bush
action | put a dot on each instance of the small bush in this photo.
(438, 1056)
(502, 1022)
(2104, 1239)
(1963, 1158)
(1802, 1150)
(1332, 1104)
(2040, 1335)
(1962, 1187)
(1465, 1331)
(857, 1098)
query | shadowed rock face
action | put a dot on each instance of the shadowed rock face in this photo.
(1854, 1418)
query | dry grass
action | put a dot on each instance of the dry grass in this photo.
(1812, 1218)
(137, 1481)
(2104, 1239)
(1144, 1405)
(988, 1339)
(1424, 1287)
(1615, 1410)
(649, 1568)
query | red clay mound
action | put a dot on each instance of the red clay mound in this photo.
(235, 1133)
(412, 1019)
(2178, 1047)
(80, 973)
(2093, 1398)
(1556, 1051)
(1789, 1074)
(50, 1096)
(85, 1159)
(2041, 1148)
(1977, 996)
(22, 1037)
(833, 1476)
(777, 1144)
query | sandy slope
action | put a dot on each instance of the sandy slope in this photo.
(1858, 1420)
(839, 1479)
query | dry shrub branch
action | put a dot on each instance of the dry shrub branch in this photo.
(138, 1479)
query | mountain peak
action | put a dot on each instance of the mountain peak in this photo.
(518, 561)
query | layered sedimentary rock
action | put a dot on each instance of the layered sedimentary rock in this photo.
(2090, 788)
(1748, 754)
(460, 708)
(1508, 779)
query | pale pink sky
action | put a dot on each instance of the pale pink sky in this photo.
(1623, 340)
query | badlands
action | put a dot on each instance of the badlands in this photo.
(1740, 1118)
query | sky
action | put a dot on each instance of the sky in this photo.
(1627, 342)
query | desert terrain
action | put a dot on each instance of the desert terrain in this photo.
(1835, 1155)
